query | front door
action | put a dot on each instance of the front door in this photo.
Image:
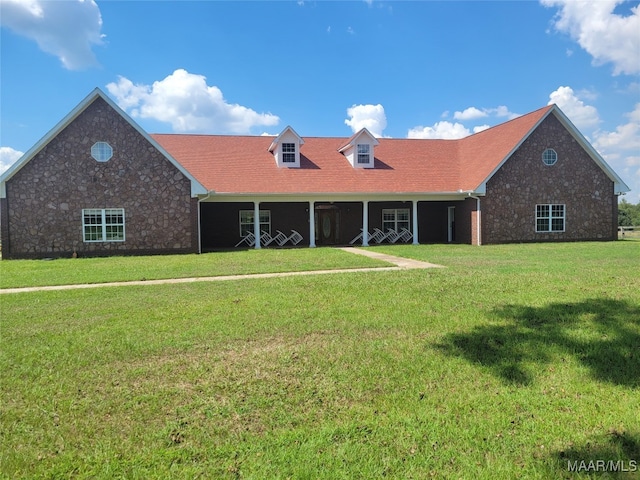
(327, 226)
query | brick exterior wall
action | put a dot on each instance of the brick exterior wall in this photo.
(475, 221)
(45, 198)
(509, 208)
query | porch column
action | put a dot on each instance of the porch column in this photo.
(415, 222)
(478, 223)
(256, 223)
(365, 223)
(312, 224)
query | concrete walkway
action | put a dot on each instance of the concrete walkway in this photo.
(400, 264)
(399, 261)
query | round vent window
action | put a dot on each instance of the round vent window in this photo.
(549, 157)
(101, 151)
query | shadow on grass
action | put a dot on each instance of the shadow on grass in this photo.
(616, 454)
(602, 334)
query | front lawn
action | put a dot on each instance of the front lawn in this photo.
(68, 271)
(514, 361)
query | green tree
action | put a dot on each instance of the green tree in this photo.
(628, 214)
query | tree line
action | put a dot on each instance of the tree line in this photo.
(628, 214)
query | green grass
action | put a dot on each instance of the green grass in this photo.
(509, 363)
(68, 271)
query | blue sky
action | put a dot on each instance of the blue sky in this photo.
(327, 68)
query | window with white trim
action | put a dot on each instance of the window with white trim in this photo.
(550, 218)
(288, 153)
(364, 150)
(395, 219)
(549, 157)
(101, 151)
(246, 221)
(103, 225)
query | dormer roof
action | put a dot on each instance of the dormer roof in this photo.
(278, 139)
(359, 149)
(286, 148)
(361, 136)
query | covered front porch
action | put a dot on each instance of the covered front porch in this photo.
(232, 222)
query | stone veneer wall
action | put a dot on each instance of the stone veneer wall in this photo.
(509, 208)
(46, 197)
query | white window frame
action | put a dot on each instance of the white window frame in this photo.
(549, 157)
(288, 152)
(363, 152)
(550, 216)
(103, 225)
(101, 151)
(396, 219)
(246, 222)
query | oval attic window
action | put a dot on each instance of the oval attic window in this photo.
(549, 157)
(101, 151)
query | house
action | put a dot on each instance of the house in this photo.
(98, 184)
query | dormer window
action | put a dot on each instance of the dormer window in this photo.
(286, 148)
(363, 153)
(288, 153)
(359, 149)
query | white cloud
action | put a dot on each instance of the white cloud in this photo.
(8, 156)
(450, 131)
(635, 115)
(620, 148)
(583, 116)
(605, 35)
(127, 94)
(470, 113)
(473, 113)
(371, 117)
(503, 112)
(625, 137)
(66, 29)
(185, 101)
(443, 130)
(480, 128)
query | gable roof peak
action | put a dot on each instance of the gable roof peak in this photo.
(353, 139)
(95, 94)
(540, 112)
(287, 129)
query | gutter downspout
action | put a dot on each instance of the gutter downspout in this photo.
(478, 222)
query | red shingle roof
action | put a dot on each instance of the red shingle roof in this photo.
(243, 164)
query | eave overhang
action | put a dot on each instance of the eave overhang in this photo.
(334, 196)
